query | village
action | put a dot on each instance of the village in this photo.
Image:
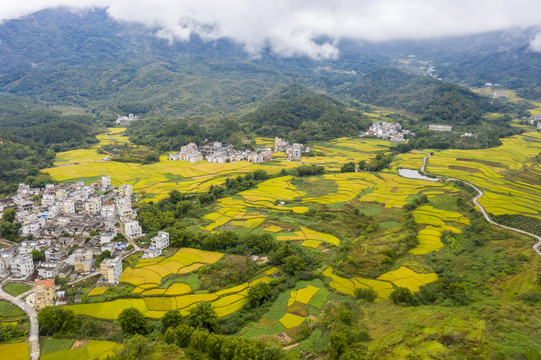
(384, 130)
(216, 152)
(66, 227)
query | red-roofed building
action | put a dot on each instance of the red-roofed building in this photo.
(44, 293)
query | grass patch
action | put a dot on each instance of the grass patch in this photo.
(16, 289)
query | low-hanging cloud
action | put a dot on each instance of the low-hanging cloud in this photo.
(297, 27)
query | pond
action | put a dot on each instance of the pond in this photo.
(414, 174)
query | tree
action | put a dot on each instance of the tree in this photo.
(9, 215)
(175, 196)
(258, 294)
(339, 343)
(172, 318)
(292, 264)
(183, 335)
(132, 321)
(104, 255)
(366, 294)
(203, 316)
(37, 255)
(402, 295)
(348, 167)
(54, 319)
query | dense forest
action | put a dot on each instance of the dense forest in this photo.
(301, 115)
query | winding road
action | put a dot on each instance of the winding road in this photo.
(33, 341)
(480, 193)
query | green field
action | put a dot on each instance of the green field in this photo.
(16, 289)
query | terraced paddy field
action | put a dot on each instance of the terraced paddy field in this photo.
(158, 297)
(300, 306)
(154, 181)
(511, 182)
(94, 349)
(436, 221)
(383, 285)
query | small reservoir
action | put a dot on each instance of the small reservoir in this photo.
(414, 174)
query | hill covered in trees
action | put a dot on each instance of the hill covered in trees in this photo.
(299, 114)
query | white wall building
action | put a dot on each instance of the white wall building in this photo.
(22, 266)
(125, 190)
(132, 229)
(160, 241)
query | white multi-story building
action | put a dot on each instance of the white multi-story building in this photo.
(125, 213)
(52, 212)
(132, 229)
(22, 266)
(125, 190)
(160, 241)
(108, 211)
(111, 269)
(93, 205)
(48, 270)
(68, 207)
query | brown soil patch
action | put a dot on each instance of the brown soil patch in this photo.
(290, 346)
(284, 337)
(79, 344)
(394, 190)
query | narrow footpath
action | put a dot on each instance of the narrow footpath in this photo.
(33, 341)
(480, 193)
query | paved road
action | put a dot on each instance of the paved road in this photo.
(33, 341)
(480, 193)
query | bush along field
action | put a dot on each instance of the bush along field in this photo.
(321, 261)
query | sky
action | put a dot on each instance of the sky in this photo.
(306, 27)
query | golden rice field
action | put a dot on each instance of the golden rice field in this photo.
(410, 160)
(393, 190)
(291, 320)
(100, 290)
(491, 170)
(82, 156)
(303, 295)
(264, 196)
(154, 181)
(437, 222)
(176, 297)
(16, 351)
(349, 186)
(402, 277)
(94, 349)
(310, 238)
(152, 271)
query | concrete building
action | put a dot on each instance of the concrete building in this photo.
(83, 261)
(93, 205)
(125, 190)
(22, 266)
(48, 270)
(440, 127)
(111, 269)
(132, 229)
(160, 241)
(44, 292)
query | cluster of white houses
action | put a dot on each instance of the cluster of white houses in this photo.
(384, 130)
(71, 224)
(125, 120)
(216, 152)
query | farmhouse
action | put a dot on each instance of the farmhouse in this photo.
(160, 241)
(44, 293)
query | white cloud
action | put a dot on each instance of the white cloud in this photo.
(292, 27)
(535, 43)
